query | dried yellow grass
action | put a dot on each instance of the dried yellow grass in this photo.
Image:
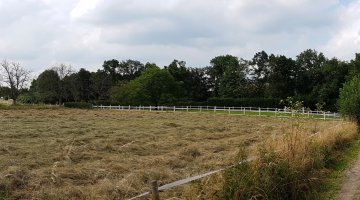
(107, 154)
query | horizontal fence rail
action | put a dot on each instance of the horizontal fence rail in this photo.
(250, 111)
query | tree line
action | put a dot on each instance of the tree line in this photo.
(310, 77)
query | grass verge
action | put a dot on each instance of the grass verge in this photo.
(294, 166)
(343, 160)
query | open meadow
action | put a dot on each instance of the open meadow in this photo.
(110, 154)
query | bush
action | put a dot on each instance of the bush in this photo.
(245, 102)
(81, 105)
(349, 100)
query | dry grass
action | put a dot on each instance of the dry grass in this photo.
(5, 102)
(293, 166)
(105, 154)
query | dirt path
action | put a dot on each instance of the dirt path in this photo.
(350, 188)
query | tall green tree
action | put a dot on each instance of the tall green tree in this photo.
(130, 69)
(233, 83)
(83, 85)
(198, 86)
(259, 71)
(217, 69)
(281, 78)
(46, 87)
(331, 76)
(110, 68)
(153, 87)
(307, 71)
(63, 71)
(124, 70)
(100, 85)
(354, 66)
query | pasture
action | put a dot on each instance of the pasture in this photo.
(114, 154)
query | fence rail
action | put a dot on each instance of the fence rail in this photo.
(254, 111)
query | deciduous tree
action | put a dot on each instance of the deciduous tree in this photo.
(15, 77)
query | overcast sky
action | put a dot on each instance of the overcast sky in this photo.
(84, 33)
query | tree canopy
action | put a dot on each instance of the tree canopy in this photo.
(309, 77)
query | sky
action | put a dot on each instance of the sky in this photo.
(84, 33)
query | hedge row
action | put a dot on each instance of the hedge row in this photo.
(241, 102)
(244, 102)
(81, 105)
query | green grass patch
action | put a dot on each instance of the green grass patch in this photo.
(343, 159)
(257, 113)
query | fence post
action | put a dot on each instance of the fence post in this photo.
(200, 108)
(259, 111)
(150, 108)
(244, 111)
(187, 108)
(229, 110)
(155, 190)
(174, 109)
(129, 107)
(214, 108)
(324, 115)
(275, 112)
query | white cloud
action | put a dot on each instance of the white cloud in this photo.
(345, 41)
(83, 7)
(84, 33)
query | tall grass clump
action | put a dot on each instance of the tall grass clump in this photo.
(291, 166)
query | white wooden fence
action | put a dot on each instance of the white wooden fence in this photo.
(254, 111)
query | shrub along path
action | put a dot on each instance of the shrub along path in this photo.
(350, 188)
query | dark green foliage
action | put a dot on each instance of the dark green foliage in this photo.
(100, 85)
(45, 88)
(281, 79)
(219, 65)
(245, 102)
(124, 70)
(228, 81)
(193, 83)
(153, 87)
(4, 92)
(349, 100)
(81, 105)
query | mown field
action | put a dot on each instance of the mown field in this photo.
(112, 154)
